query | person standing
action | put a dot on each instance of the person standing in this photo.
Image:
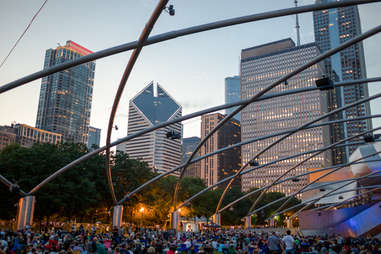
(288, 242)
(273, 244)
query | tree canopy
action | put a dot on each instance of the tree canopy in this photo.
(82, 193)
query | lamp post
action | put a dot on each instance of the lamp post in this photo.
(141, 210)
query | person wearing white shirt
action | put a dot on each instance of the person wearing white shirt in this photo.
(288, 241)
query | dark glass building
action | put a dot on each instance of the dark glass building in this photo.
(233, 93)
(153, 105)
(65, 97)
(189, 144)
(94, 137)
(332, 27)
(216, 167)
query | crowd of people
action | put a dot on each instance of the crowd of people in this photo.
(146, 240)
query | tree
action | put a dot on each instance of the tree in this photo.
(71, 194)
(261, 216)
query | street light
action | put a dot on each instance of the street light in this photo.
(141, 210)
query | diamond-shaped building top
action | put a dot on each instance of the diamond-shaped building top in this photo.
(151, 106)
(157, 107)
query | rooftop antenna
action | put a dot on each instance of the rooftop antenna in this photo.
(297, 26)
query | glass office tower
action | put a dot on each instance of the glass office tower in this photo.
(233, 93)
(261, 66)
(65, 97)
(332, 27)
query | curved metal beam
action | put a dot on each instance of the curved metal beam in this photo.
(305, 190)
(286, 77)
(325, 195)
(134, 56)
(290, 178)
(289, 134)
(251, 169)
(173, 121)
(156, 178)
(8, 183)
(321, 150)
(264, 97)
(305, 160)
(332, 194)
(314, 181)
(320, 177)
(179, 33)
(327, 207)
(259, 94)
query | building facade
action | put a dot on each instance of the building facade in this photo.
(216, 167)
(65, 97)
(153, 105)
(189, 144)
(332, 27)
(7, 136)
(26, 135)
(260, 67)
(94, 137)
(233, 93)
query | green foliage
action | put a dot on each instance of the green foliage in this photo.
(70, 194)
(81, 192)
(261, 216)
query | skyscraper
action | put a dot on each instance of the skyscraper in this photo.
(332, 27)
(218, 166)
(233, 93)
(189, 144)
(65, 97)
(260, 66)
(153, 105)
(94, 137)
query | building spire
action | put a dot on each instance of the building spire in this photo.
(297, 26)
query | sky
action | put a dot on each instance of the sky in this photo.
(191, 69)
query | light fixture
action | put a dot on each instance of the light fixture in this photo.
(173, 135)
(253, 163)
(324, 84)
(170, 10)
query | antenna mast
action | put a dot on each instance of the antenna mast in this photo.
(297, 26)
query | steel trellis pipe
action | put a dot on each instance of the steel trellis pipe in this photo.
(333, 194)
(286, 77)
(327, 207)
(305, 160)
(237, 145)
(264, 97)
(8, 183)
(179, 33)
(325, 195)
(257, 167)
(191, 30)
(263, 91)
(305, 190)
(276, 182)
(288, 179)
(320, 177)
(161, 125)
(317, 179)
(134, 56)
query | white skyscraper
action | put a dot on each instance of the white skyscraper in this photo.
(153, 105)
